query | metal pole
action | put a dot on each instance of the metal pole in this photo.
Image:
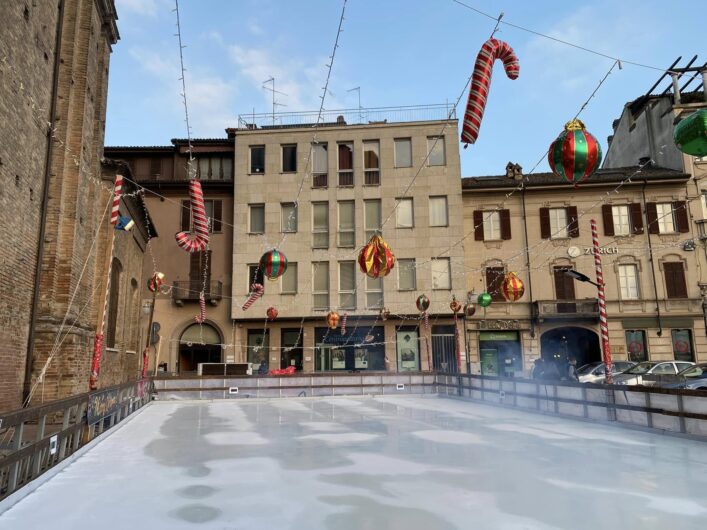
(603, 326)
(149, 333)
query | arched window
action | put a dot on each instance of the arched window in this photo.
(114, 298)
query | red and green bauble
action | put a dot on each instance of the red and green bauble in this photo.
(376, 259)
(273, 264)
(512, 287)
(155, 282)
(454, 305)
(576, 154)
(484, 300)
(332, 319)
(422, 303)
(271, 313)
(690, 135)
(469, 310)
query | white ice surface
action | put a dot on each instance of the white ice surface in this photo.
(370, 463)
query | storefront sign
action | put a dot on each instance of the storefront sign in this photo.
(498, 335)
(499, 324)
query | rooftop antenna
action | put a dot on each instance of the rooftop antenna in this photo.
(275, 104)
(360, 114)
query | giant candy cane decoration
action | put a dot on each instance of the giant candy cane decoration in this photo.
(117, 192)
(198, 241)
(480, 81)
(201, 317)
(256, 291)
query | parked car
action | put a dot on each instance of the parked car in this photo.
(648, 373)
(596, 372)
(692, 378)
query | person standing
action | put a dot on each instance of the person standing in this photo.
(572, 371)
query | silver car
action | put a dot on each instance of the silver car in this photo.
(636, 374)
(693, 378)
(596, 372)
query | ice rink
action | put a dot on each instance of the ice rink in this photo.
(370, 463)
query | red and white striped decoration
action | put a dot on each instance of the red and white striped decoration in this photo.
(201, 317)
(481, 80)
(117, 192)
(603, 326)
(343, 323)
(256, 291)
(197, 241)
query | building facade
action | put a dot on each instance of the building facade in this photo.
(652, 273)
(318, 195)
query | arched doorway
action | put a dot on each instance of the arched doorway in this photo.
(198, 344)
(559, 345)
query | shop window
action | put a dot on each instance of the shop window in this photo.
(408, 347)
(259, 349)
(636, 345)
(682, 345)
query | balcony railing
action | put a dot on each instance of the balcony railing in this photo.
(566, 309)
(189, 292)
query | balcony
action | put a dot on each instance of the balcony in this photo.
(565, 309)
(185, 292)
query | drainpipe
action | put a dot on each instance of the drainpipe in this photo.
(650, 251)
(527, 264)
(29, 360)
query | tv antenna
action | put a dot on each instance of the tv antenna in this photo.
(272, 90)
(360, 108)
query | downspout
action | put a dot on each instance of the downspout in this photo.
(650, 252)
(29, 360)
(527, 264)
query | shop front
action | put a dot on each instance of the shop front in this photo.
(360, 348)
(500, 353)
(407, 344)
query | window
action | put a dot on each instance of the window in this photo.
(372, 220)
(666, 221)
(258, 347)
(494, 282)
(226, 168)
(320, 225)
(622, 220)
(404, 217)
(704, 203)
(403, 152)
(289, 279)
(257, 159)
(255, 275)
(441, 273)
(667, 217)
(113, 300)
(347, 226)
(155, 167)
(435, 148)
(682, 345)
(347, 284)
(675, 279)
(214, 213)
(492, 226)
(636, 345)
(289, 158)
(257, 219)
(406, 275)
(374, 293)
(199, 273)
(202, 167)
(628, 281)
(289, 217)
(320, 165)
(320, 285)
(346, 174)
(371, 163)
(214, 168)
(558, 223)
(438, 211)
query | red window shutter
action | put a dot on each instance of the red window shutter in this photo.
(608, 218)
(652, 218)
(494, 280)
(505, 224)
(478, 225)
(675, 286)
(572, 221)
(218, 213)
(186, 216)
(636, 218)
(545, 223)
(681, 217)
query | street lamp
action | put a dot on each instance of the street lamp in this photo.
(580, 277)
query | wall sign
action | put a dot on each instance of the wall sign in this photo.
(499, 324)
(575, 252)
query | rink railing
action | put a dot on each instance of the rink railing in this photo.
(674, 411)
(35, 439)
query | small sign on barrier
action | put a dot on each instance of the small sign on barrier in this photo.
(52, 444)
(233, 390)
(400, 386)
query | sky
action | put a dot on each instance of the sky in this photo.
(399, 52)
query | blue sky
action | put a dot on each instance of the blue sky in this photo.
(400, 52)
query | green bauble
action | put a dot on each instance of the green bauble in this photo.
(484, 299)
(690, 134)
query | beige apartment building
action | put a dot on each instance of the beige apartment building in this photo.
(318, 195)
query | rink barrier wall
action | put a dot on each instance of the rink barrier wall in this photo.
(35, 439)
(674, 411)
(310, 385)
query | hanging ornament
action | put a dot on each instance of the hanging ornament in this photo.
(124, 223)
(454, 305)
(480, 82)
(376, 259)
(575, 154)
(384, 313)
(117, 193)
(422, 303)
(469, 310)
(201, 317)
(197, 241)
(512, 287)
(484, 299)
(690, 135)
(273, 264)
(256, 291)
(343, 323)
(332, 319)
(271, 313)
(155, 282)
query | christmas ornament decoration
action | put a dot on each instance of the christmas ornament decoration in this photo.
(201, 317)
(491, 50)
(117, 193)
(155, 282)
(343, 323)
(512, 287)
(422, 303)
(271, 313)
(575, 155)
(469, 310)
(384, 313)
(124, 223)
(256, 291)
(454, 305)
(197, 241)
(376, 259)
(690, 135)
(484, 300)
(332, 319)
(273, 264)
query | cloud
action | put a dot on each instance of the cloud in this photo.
(254, 27)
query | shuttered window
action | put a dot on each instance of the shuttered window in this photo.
(564, 285)
(494, 280)
(621, 220)
(559, 223)
(199, 271)
(675, 285)
(214, 214)
(492, 226)
(666, 221)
